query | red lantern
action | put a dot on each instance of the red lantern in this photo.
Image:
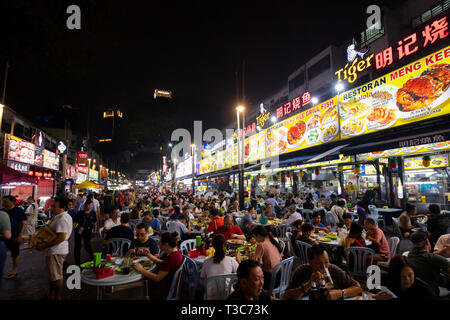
(30, 173)
(393, 163)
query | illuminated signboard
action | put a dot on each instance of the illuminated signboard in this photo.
(436, 161)
(93, 175)
(50, 160)
(19, 166)
(262, 118)
(401, 97)
(83, 159)
(19, 150)
(294, 105)
(428, 35)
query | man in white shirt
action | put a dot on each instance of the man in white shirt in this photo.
(292, 215)
(58, 249)
(112, 222)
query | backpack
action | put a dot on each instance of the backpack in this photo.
(191, 284)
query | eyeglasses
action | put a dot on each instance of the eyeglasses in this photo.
(141, 234)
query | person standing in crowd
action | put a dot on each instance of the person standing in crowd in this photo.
(32, 212)
(48, 204)
(5, 234)
(58, 249)
(107, 204)
(80, 199)
(18, 221)
(86, 220)
(250, 283)
(71, 211)
(319, 263)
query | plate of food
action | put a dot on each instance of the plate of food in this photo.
(384, 95)
(314, 122)
(236, 241)
(425, 91)
(353, 127)
(324, 240)
(296, 134)
(381, 117)
(354, 108)
(437, 162)
(330, 115)
(313, 136)
(330, 131)
(408, 164)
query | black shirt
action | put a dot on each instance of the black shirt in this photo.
(121, 231)
(16, 216)
(308, 205)
(150, 244)
(237, 295)
(85, 220)
(438, 225)
(418, 291)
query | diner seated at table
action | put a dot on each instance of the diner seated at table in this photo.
(438, 224)
(318, 226)
(124, 231)
(188, 214)
(268, 212)
(216, 220)
(179, 226)
(229, 230)
(247, 220)
(143, 243)
(306, 233)
(354, 237)
(302, 278)
(404, 283)
(378, 239)
(297, 231)
(362, 211)
(151, 222)
(219, 264)
(250, 283)
(309, 203)
(323, 202)
(113, 221)
(268, 252)
(442, 246)
(161, 280)
(406, 220)
(429, 266)
(234, 207)
(200, 208)
(292, 215)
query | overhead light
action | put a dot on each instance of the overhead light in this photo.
(170, 145)
(240, 109)
(339, 87)
(259, 128)
(273, 119)
(314, 100)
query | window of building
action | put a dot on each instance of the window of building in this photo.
(27, 133)
(371, 34)
(18, 130)
(321, 66)
(297, 81)
(431, 13)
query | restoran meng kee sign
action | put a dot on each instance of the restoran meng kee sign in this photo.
(416, 92)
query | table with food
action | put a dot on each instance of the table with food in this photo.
(114, 272)
(331, 239)
(269, 221)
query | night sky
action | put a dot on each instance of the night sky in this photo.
(125, 50)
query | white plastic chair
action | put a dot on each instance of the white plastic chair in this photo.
(302, 251)
(285, 267)
(219, 287)
(119, 246)
(360, 263)
(393, 244)
(188, 245)
(238, 222)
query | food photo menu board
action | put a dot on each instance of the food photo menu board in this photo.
(19, 150)
(436, 161)
(416, 92)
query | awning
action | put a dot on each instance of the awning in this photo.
(329, 152)
(86, 185)
(9, 176)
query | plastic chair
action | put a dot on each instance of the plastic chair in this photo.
(119, 246)
(191, 283)
(360, 262)
(302, 251)
(393, 244)
(285, 267)
(282, 245)
(330, 219)
(282, 230)
(307, 214)
(396, 228)
(238, 222)
(219, 287)
(174, 292)
(188, 245)
(290, 248)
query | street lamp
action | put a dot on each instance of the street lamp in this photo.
(193, 168)
(241, 141)
(273, 119)
(170, 145)
(340, 88)
(314, 100)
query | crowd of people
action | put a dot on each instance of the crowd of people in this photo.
(173, 218)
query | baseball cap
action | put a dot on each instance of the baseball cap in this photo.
(418, 237)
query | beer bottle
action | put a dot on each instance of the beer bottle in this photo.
(313, 294)
(323, 291)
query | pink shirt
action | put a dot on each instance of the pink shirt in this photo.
(384, 245)
(267, 255)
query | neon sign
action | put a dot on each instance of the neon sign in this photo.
(294, 105)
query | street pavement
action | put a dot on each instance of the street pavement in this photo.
(31, 282)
